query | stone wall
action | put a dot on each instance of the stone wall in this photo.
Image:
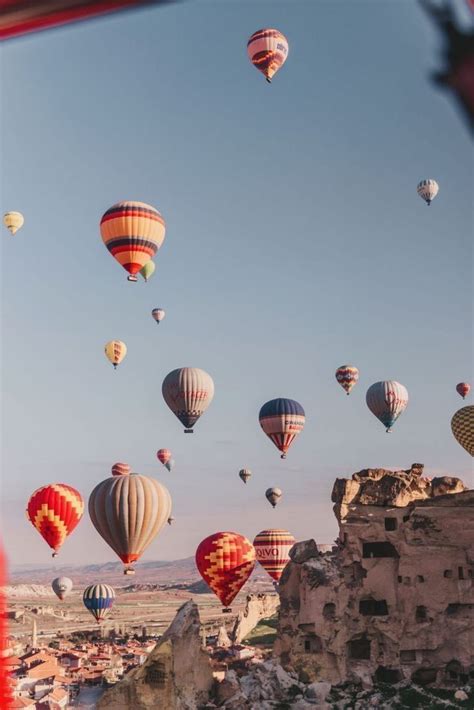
(394, 599)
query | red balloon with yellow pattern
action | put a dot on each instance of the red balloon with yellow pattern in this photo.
(55, 510)
(225, 561)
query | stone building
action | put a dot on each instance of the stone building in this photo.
(394, 599)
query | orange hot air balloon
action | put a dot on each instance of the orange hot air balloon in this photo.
(55, 510)
(272, 548)
(225, 561)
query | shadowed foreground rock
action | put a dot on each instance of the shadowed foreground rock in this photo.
(176, 676)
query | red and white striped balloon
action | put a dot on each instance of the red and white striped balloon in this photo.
(272, 548)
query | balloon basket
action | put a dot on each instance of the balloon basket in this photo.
(188, 431)
(283, 456)
(129, 571)
(132, 278)
(227, 610)
(55, 554)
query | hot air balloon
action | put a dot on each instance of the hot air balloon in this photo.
(158, 314)
(121, 469)
(347, 376)
(281, 420)
(267, 50)
(462, 426)
(273, 495)
(387, 400)
(115, 352)
(163, 455)
(13, 221)
(427, 190)
(99, 600)
(55, 510)
(272, 548)
(171, 520)
(132, 232)
(245, 474)
(188, 392)
(225, 561)
(61, 586)
(463, 388)
(148, 270)
(128, 510)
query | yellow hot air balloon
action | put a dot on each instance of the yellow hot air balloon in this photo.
(148, 270)
(115, 352)
(13, 221)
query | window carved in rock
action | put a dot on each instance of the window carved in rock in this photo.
(378, 549)
(359, 648)
(373, 607)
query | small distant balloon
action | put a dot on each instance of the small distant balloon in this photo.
(387, 400)
(427, 190)
(347, 376)
(267, 50)
(463, 389)
(13, 221)
(99, 599)
(158, 314)
(62, 586)
(245, 474)
(273, 495)
(115, 351)
(121, 469)
(462, 426)
(188, 392)
(282, 420)
(148, 270)
(171, 520)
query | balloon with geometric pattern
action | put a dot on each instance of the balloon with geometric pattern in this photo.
(462, 426)
(463, 389)
(115, 352)
(267, 50)
(272, 549)
(387, 400)
(148, 270)
(99, 599)
(132, 232)
(61, 587)
(347, 376)
(225, 561)
(55, 510)
(13, 221)
(427, 190)
(188, 392)
(282, 420)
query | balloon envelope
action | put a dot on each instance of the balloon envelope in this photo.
(121, 469)
(132, 232)
(347, 376)
(427, 190)
(282, 420)
(387, 400)
(158, 314)
(188, 392)
(61, 586)
(99, 599)
(164, 455)
(462, 426)
(148, 270)
(273, 495)
(463, 388)
(13, 221)
(272, 548)
(225, 561)
(267, 50)
(115, 352)
(245, 474)
(128, 511)
(55, 510)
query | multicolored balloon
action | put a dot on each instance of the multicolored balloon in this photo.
(347, 376)
(272, 548)
(245, 474)
(268, 50)
(163, 455)
(427, 190)
(273, 495)
(387, 400)
(463, 388)
(158, 314)
(282, 420)
(132, 232)
(128, 510)
(121, 469)
(115, 352)
(462, 426)
(13, 221)
(99, 599)
(225, 561)
(55, 510)
(188, 392)
(62, 586)
(148, 270)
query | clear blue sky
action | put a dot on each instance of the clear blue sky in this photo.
(295, 243)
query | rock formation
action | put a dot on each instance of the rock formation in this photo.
(257, 607)
(176, 675)
(394, 599)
